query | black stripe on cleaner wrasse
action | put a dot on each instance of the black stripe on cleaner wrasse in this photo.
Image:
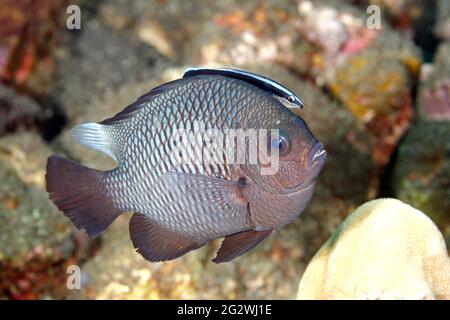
(215, 154)
(257, 80)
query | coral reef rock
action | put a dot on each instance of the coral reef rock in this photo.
(434, 92)
(385, 249)
(28, 221)
(118, 56)
(17, 112)
(442, 27)
(422, 171)
(422, 168)
(37, 242)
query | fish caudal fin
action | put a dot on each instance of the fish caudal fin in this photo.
(239, 243)
(95, 136)
(156, 243)
(79, 192)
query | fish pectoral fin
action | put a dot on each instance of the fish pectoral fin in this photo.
(156, 243)
(237, 244)
(214, 193)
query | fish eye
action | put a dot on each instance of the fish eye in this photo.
(280, 142)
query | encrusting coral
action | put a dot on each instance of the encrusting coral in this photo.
(385, 249)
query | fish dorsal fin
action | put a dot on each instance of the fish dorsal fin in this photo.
(161, 88)
(239, 243)
(141, 101)
(259, 81)
(97, 135)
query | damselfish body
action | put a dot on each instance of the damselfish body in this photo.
(181, 205)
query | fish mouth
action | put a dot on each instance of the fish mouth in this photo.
(317, 155)
(300, 188)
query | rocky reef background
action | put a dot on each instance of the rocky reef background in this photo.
(379, 99)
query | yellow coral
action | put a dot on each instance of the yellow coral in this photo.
(365, 90)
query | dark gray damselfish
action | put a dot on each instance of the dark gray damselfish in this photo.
(178, 205)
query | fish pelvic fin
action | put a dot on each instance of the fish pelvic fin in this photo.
(156, 243)
(79, 192)
(239, 243)
(95, 136)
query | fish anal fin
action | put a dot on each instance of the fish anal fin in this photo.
(156, 243)
(237, 244)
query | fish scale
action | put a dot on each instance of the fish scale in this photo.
(141, 183)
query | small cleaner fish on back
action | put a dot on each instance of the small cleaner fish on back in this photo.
(215, 154)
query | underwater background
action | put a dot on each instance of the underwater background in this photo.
(377, 95)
